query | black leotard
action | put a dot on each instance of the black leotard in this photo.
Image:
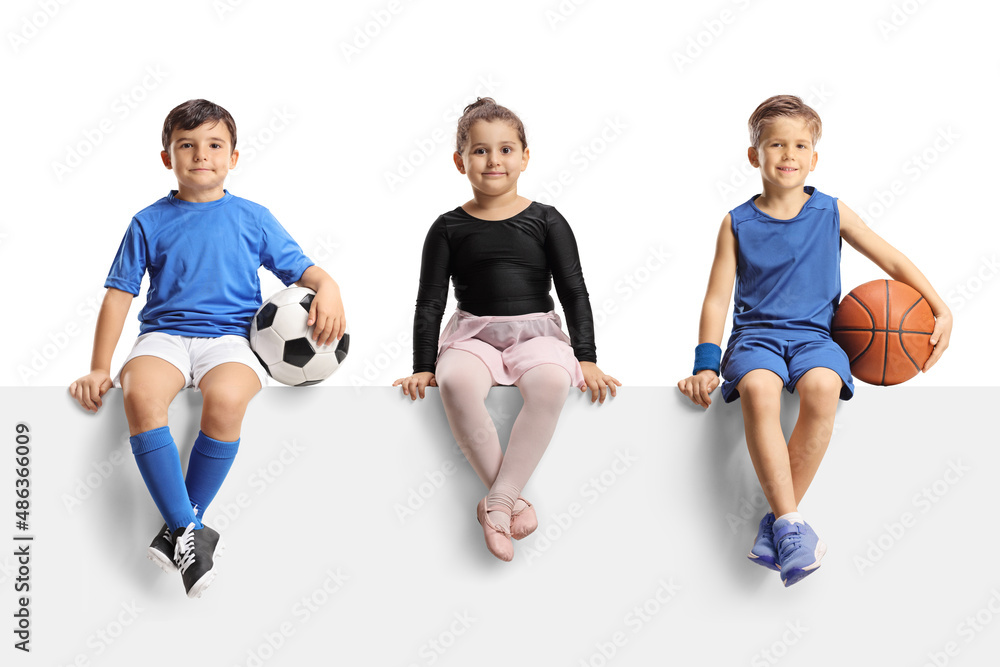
(501, 267)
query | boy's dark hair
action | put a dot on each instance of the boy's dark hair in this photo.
(193, 113)
(783, 106)
(486, 108)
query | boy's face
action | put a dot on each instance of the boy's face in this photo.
(201, 159)
(785, 155)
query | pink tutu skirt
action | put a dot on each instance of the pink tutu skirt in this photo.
(509, 346)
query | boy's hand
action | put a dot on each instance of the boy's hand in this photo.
(939, 339)
(327, 314)
(698, 387)
(416, 383)
(598, 382)
(89, 389)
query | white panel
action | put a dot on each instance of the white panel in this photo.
(350, 522)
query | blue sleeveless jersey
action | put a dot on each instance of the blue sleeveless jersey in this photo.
(788, 271)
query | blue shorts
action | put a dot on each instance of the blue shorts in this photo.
(788, 354)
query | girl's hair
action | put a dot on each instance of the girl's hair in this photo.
(783, 106)
(486, 108)
(192, 114)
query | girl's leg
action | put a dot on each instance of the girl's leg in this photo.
(226, 390)
(464, 382)
(544, 389)
(760, 398)
(149, 384)
(819, 394)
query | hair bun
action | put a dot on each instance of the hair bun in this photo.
(480, 101)
(487, 109)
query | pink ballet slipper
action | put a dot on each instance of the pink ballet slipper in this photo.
(497, 539)
(523, 523)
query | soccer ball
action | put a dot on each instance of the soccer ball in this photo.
(284, 345)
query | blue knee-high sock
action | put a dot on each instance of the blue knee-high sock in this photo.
(207, 469)
(159, 463)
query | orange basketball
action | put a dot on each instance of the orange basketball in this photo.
(885, 327)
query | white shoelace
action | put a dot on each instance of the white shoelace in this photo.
(184, 549)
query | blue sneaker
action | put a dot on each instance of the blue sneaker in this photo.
(799, 550)
(763, 551)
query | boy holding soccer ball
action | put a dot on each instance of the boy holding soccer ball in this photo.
(202, 248)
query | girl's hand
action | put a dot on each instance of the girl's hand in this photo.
(598, 382)
(89, 389)
(416, 383)
(327, 314)
(939, 339)
(698, 387)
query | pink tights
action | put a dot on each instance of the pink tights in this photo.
(465, 381)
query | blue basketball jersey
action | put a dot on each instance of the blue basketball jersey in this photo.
(788, 271)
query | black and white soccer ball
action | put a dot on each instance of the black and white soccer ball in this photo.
(284, 345)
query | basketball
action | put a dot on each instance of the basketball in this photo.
(885, 328)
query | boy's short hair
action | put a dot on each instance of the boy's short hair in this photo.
(783, 106)
(192, 114)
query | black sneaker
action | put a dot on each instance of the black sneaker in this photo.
(161, 550)
(194, 555)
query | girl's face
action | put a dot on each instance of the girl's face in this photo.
(493, 159)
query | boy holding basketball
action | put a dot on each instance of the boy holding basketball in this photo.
(782, 248)
(202, 248)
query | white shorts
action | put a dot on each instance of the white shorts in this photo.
(194, 357)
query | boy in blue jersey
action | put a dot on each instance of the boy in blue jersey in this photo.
(201, 247)
(782, 247)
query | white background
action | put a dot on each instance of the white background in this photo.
(319, 130)
(657, 93)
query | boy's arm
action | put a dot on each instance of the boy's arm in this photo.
(327, 309)
(860, 236)
(713, 312)
(720, 286)
(89, 389)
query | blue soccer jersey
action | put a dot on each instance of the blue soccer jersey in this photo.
(202, 260)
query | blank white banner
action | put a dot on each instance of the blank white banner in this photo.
(349, 517)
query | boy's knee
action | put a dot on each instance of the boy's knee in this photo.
(145, 409)
(226, 404)
(760, 387)
(143, 396)
(823, 383)
(222, 415)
